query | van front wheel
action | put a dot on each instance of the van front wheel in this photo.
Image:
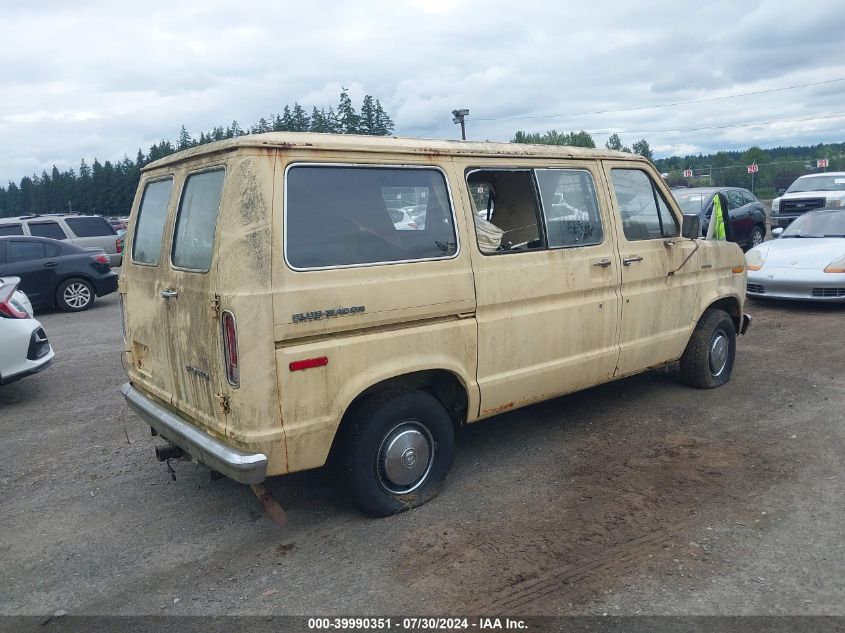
(709, 357)
(400, 449)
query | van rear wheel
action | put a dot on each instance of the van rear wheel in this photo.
(400, 448)
(709, 357)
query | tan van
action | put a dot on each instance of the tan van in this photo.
(291, 296)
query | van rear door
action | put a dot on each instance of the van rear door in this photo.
(169, 289)
(192, 302)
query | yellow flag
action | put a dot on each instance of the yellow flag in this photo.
(719, 219)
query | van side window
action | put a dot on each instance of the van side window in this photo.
(645, 214)
(507, 215)
(570, 206)
(146, 245)
(347, 216)
(196, 220)
(47, 229)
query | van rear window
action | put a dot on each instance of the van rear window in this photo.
(197, 221)
(347, 216)
(146, 245)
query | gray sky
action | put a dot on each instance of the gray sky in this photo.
(86, 79)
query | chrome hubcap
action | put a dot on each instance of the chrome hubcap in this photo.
(405, 457)
(719, 348)
(77, 295)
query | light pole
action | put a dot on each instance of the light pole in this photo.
(460, 116)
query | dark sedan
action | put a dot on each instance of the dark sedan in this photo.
(747, 213)
(55, 273)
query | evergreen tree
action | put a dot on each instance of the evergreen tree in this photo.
(185, 140)
(384, 124)
(287, 120)
(332, 122)
(348, 119)
(299, 120)
(367, 119)
(318, 121)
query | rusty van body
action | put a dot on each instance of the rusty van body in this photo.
(291, 296)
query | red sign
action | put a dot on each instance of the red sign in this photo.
(688, 173)
(822, 162)
(753, 169)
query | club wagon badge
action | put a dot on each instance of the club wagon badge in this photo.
(328, 313)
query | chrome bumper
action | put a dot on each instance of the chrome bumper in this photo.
(246, 468)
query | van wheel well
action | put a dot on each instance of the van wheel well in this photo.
(731, 306)
(442, 384)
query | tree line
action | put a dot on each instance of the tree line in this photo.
(108, 188)
(581, 139)
(778, 167)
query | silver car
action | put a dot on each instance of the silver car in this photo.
(87, 231)
(805, 262)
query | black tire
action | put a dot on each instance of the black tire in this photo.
(714, 339)
(75, 295)
(758, 236)
(379, 427)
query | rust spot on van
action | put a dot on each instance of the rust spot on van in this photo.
(495, 410)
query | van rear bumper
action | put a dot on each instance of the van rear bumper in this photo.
(246, 468)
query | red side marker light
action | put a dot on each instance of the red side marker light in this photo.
(308, 363)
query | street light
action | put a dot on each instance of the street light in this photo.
(460, 115)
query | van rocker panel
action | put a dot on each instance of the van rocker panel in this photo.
(246, 468)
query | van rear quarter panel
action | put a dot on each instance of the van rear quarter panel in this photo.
(410, 321)
(245, 251)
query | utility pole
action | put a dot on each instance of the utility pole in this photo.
(460, 116)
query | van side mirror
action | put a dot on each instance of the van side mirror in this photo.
(691, 226)
(777, 231)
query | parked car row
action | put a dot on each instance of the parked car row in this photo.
(54, 273)
(90, 231)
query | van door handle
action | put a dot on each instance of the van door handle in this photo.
(169, 293)
(630, 260)
(602, 263)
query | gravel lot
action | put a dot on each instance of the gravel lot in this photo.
(641, 496)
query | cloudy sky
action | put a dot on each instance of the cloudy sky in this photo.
(86, 79)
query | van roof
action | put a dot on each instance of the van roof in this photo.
(389, 144)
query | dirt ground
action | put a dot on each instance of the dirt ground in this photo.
(641, 496)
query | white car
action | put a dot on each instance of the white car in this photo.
(806, 262)
(813, 191)
(402, 220)
(24, 347)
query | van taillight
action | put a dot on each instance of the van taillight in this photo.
(230, 348)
